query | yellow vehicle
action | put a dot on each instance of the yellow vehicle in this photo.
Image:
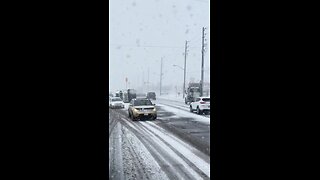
(141, 108)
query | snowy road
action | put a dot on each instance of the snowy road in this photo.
(171, 147)
(177, 105)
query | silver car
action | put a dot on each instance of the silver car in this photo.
(116, 102)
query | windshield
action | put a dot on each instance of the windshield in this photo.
(116, 99)
(196, 94)
(206, 99)
(194, 90)
(142, 102)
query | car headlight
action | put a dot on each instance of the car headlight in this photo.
(154, 109)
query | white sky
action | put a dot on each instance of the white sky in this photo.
(143, 31)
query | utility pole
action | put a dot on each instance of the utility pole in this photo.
(160, 76)
(202, 63)
(185, 65)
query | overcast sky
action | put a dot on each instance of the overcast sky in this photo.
(143, 31)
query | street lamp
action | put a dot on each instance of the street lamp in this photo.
(184, 79)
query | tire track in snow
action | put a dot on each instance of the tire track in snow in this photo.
(169, 165)
(200, 154)
(112, 122)
(115, 155)
(185, 168)
(185, 158)
(139, 167)
(128, 158)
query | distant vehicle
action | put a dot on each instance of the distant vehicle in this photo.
(151, 95)
(201, 105)
(192, 92)
(116, 102)
(142, 108)
(128, 95)
(110, 95)
(119, 94)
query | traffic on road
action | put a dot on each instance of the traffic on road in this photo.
(158, 139)
(159, 90)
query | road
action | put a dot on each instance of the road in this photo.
(174, 146)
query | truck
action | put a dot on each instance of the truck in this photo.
(128, 95)
(192, 92)
(151, 95)
(119, 94)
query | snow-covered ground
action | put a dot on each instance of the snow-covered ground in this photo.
(172, 147)
(143, 150)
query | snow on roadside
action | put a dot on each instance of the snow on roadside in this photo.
(182, 113)
(172, 97)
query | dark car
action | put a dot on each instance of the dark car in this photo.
(151, 95)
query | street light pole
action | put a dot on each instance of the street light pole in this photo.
(184, 74)
(202, 61)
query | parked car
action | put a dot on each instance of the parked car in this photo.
(140, 108)
(201, 105)
(151, 95)
(116, 102)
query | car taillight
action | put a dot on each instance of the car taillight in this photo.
(202, 102)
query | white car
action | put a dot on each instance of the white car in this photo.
(201, 105)
(116, 102)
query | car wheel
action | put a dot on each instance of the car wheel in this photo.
(199, 111)
(191, 110)
(154, 118)
(132, 117)
(207, 112)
